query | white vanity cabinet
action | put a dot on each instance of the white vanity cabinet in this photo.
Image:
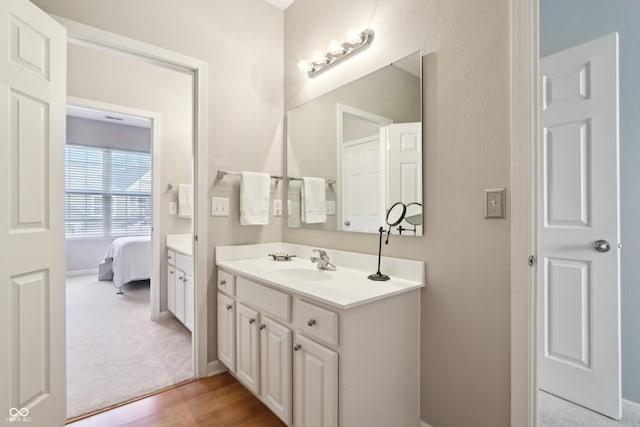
(314, 364)
(180, 290)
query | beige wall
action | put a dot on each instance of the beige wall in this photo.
(242, 42)
(465, 305)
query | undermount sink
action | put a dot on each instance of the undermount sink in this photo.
(305, 274)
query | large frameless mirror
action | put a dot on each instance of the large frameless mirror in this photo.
(354, 152)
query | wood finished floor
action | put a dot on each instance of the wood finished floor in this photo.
(218, 401)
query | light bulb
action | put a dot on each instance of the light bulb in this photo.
(303, 66)
(318, 57)
(354, 37)
(335, 47)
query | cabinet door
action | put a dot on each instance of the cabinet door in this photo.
(227, 331)
(188, 301)
(180, 295)
(275, 368)
(171, 289)
(247, 347)
(316, 384)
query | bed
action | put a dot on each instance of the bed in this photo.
(131, 259)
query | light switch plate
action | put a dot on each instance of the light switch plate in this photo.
(219, 206)
(331, 207)
(494, 203)
(277, 207)
(173, 208)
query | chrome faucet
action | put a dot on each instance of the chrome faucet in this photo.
(322, 260)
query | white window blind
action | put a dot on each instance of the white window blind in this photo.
(108, 192)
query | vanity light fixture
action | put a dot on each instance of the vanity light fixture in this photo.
(337, 53)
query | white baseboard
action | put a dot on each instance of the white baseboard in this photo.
(631, 407)
(424, 424)
(72, 273)
(216, 367)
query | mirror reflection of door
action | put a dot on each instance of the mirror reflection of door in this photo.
(362, 164)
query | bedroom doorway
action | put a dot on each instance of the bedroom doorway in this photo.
(119, 328)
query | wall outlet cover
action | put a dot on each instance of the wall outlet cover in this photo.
(219, 206)
(277, 207)
(331, 207)
(494, 203)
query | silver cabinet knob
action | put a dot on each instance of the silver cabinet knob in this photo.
(347, 223)
(223, 282)
(171, 272)
(228, 306)
(601, 246)
(297, 347)
(311, 322)
(263, 326)
(252, 321)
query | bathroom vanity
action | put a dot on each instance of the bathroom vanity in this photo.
(180, 290)
(322, 348)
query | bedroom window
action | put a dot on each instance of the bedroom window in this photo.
(108, 192)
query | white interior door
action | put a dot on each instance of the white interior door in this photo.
(579, 310)
(403, 142)
(363, 189)
(32, 296)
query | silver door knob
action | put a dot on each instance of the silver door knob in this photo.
(223, 282)
(228, 306)
(311, 322)
(251, 321)
(347, 223)
(263, 326)
(297, 347)
(601, 246)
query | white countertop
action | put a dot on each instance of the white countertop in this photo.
(182, 243)
(345, 288)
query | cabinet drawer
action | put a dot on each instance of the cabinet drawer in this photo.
(171, 257)
(184, 263)
(226, 282)
(317, 322)
(269, 300)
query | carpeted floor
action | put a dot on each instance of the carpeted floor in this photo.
(556, 412)
(114, 351)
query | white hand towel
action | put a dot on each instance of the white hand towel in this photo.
(314, 200)
(185, 201)
(254, 198)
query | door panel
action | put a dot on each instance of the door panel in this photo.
(32, 298)
(227, 331)
(247, 347)
(578, 286)
(276, 368)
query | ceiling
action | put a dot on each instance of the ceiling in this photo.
(280, 4)
(115, 118)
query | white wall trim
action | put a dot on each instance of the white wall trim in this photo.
(156, 196)
(72, 273)
(524, 107)
(216, 367)
(85, 35)
(631, 407)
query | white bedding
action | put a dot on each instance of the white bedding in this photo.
(131, 259)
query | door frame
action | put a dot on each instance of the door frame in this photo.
(91, 37)
(524, 64)
(156, 190)
(341, 111)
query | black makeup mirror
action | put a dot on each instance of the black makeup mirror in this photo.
(395, 215)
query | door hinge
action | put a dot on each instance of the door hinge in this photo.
(195, 237)
(532, 260)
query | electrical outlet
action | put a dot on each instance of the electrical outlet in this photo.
(219, 206)
(494, 203)
(331, 207)
(277, 207)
